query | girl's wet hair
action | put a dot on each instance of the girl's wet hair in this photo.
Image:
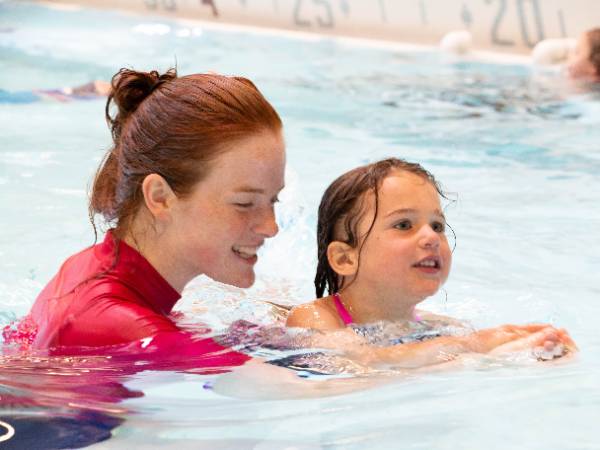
(342, 209)
(594, 40)
(172, 126)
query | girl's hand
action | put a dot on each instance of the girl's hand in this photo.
(544, 345)
(486, 340)
(543, 339)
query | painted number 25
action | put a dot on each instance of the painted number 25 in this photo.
(323, 19)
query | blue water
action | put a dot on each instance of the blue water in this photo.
(518, 149)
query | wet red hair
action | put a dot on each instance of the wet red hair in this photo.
(172, 126)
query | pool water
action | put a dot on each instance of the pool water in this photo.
(518, 149)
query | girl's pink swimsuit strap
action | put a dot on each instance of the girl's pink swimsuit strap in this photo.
(347, 318)
(342, 311)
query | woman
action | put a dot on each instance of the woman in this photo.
(188, 188)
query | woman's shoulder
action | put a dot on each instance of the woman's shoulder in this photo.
(318, 314)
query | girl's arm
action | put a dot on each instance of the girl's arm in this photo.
(442, 349)
(447, 348)
(257, 380)
(330, 333)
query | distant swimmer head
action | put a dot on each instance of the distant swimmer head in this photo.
(584, 63)
(457, 42)
(196, 164)
(381, 226)
(553, 51)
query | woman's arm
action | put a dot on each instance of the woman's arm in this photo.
(259, 380)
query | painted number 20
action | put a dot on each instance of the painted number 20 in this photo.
(526, 9)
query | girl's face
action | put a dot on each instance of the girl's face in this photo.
(579, 65)
(218, 229)
(406, 255)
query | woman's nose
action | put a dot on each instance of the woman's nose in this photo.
(267, 226)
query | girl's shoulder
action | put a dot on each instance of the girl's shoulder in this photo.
(319, 314)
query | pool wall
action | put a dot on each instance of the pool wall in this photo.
(501, 25)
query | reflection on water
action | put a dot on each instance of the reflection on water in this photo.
(73, 401)
(52, 402)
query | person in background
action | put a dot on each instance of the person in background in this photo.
(88, 91)
(584, 62)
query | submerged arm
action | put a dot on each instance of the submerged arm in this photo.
(259, 380)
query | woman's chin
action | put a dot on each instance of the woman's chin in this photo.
(243, 282)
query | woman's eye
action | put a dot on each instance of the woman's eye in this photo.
(404, 225)
(244, 205)
(438, 227)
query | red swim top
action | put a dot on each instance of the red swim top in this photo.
(96, 300)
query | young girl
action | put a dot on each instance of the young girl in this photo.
(382, 249)
(584, 63)
(188, 188)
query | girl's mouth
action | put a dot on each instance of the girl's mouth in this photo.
(431, 264)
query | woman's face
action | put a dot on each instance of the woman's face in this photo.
(218, 228)
(579, 64)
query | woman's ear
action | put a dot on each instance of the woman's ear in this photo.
(158, 195)
(342, 258)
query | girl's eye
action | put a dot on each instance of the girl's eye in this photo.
(274, 200)
(438, 227)
(244, 205)
(404, 225)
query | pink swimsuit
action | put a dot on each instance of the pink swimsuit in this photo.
(345, 315)
(342, 311)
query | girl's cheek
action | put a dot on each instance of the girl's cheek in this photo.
(448, 257)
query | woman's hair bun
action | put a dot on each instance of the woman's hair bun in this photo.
(129, 88)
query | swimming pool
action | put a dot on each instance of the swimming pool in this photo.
(520, 153)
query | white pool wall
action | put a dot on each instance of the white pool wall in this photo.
(512, 26)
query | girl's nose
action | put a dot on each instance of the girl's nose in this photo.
(267, 226)
(429, 238)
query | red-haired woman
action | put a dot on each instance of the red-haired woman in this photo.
(188, 188)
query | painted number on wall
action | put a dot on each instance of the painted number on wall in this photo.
(169, 5)
(323, 17)
(530, 10)
(530, 20)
